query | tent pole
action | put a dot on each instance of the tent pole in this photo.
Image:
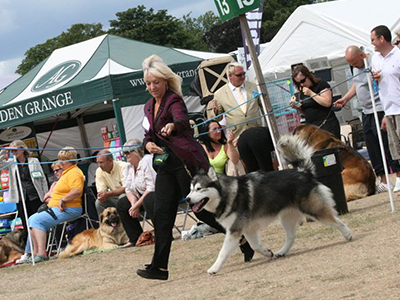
(21, 192)
(84, 138)
(378, 130)
(120, 120)
(265, 100)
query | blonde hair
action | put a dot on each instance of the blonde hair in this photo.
(156, 67)
(132, 145)
(233, 65)
(55, 165)
(68, 153)
(20, 144)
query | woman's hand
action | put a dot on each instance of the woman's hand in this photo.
(168, 129)
(61, 205)
(134, 211)
(306, 91)
(294, 103)
(153, 148)
(230, 138)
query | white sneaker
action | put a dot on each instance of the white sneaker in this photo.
(381, 188)
(397, 186)
(24, 259)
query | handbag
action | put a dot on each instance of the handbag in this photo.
(232, 169)
(160, 160)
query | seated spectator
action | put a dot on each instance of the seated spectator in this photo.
(110, 182)
(255, 146)
(219, 149)
(65, 203)
(140, 179)
(57, 170)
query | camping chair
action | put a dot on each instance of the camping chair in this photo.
(52, 233)
(184, 209)
(7, 210)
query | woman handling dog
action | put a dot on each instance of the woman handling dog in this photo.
(65, 203)
(140, 179)
(318, 106)
(177, 157)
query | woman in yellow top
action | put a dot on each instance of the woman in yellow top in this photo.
(65, 203)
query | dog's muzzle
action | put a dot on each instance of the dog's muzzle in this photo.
(198, 206)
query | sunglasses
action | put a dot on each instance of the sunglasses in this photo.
(126, 153)
(57, 170)
(302, 81)
(240, 74)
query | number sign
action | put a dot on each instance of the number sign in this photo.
(229, 9)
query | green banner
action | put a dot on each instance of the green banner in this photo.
(229, 9)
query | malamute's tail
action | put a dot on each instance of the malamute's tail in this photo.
(296, 152)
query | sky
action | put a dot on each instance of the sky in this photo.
(26, 23)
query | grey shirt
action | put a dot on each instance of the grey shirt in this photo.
(362, 90)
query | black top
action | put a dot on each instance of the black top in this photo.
(314, 111)
(27, 184)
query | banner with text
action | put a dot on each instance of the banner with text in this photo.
(254, 19)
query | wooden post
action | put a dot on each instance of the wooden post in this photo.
(265, 100)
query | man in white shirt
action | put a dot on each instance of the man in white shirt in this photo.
(386, 70)
(232, 94)
(355, 57)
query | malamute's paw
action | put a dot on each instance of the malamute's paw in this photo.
(279, 254)
(267, 252)
(212, 270)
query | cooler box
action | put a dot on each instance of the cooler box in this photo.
(328, 170)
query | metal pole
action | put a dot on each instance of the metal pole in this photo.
(265, 100)
(24, 206)
(120, 120)
(378, 130)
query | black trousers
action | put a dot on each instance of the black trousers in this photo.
(372, 142)
(131, 225)
(172, 185)
(255, 147)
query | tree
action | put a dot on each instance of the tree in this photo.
(197, 27)
(275, 14)
(75, 34)
(148, 26)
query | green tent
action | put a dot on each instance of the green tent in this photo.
(84, 74)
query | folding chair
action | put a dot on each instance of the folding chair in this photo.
(184, 209)
(85, 215)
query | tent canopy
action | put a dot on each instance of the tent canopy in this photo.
(103, 68)
(327, 29)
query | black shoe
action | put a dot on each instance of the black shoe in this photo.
(247, 251)
(153, 273)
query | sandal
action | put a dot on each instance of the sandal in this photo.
(38, 259)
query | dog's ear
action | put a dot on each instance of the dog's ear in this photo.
(212, 174)
(101, 217)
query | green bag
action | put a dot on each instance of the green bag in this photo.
(161, 159)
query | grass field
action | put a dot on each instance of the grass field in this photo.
(321, 265)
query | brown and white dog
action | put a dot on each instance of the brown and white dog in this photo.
(110, 235)
(358, 175)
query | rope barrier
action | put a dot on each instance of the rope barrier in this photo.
(273, 112)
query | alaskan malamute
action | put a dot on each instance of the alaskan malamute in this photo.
(246, 204)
